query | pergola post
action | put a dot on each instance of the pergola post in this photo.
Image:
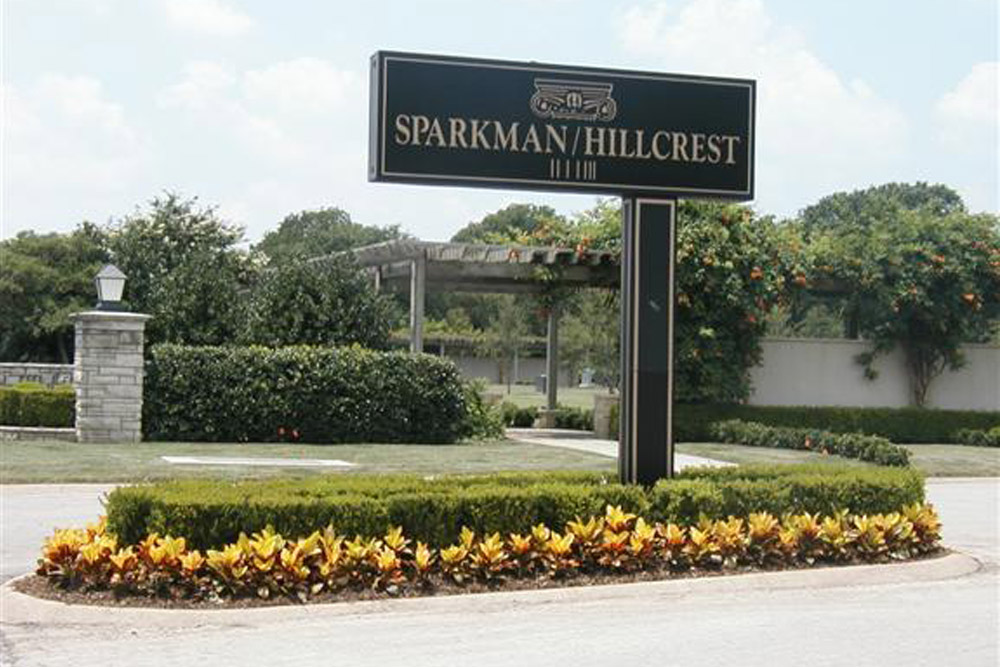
(547, 417)
(552, 359)
(418, 287)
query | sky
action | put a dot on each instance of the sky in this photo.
(260, 108)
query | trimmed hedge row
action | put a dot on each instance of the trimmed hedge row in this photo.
(307, 394)
(693, 422)
(851, 445)
(33, 404)
(979, 437)
(209, 514)
(577, 419)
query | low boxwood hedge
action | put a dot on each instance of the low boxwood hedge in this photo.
(577, 419)
(870, 448)
(307, 394)
(210, 514)
(692, 422)
(979, 437)
(33, 404)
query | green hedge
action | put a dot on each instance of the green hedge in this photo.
(979, 437)
(33, 404)
(210, 514)
(692, 422)
(577, 419)
(850, 445)
(909, 425)
(307, 394)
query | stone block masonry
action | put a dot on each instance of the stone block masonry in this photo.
(46, 374)
(108, 374)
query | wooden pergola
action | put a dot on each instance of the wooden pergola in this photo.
(494, 269)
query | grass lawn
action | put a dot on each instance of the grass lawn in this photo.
(932, 460)
(526, 396)
(62, 462)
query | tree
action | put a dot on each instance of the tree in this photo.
(44, 278)
(918, 279)
(862, 208)
(510, 224)
(320, 232)
(589, 336)
(320, 302)
(506, 333)
(184, 268)
(732, 269)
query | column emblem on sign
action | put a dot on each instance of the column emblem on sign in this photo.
(573, 100)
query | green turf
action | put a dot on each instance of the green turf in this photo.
(54, 462)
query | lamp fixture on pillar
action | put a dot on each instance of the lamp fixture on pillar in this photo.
(110, 283)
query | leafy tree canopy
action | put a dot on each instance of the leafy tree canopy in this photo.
(925, 279)
(44, 278)
(509, 224)
(320, 232)
(184, 268)
(862, 208)
(324, 302)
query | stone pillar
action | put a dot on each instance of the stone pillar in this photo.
(107, 373)
(547, 416)
(602, 415)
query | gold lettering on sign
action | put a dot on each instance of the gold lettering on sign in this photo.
(506, 141)
(619, 143)
(457, 127)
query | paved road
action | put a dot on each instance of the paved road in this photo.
(863, 616)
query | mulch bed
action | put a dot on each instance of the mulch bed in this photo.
(42, 587)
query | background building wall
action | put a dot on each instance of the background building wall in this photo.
(824, 372)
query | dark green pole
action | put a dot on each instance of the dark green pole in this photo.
(645, 439)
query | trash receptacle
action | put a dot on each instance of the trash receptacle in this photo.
(540, 384)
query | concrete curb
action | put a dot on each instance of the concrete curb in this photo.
(19, 609)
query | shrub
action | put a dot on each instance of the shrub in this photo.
(33, 404)
(516, 416)
(810, 487)
(310, 394)
(578, 419)
(210, 514)
(692, 422)
(481, 419)
(851, 445)
(978, 437)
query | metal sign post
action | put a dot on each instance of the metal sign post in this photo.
(645, 442)
(647, 137)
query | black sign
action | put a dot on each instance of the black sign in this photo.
(460, 121)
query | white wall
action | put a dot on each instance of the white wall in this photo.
(489, 369)
(823, 372)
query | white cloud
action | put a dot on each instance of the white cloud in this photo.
(263, 109)
(968, 114)
(816, 132)
(204, 85)
(303, 85)
(210, 17)
(64, 140)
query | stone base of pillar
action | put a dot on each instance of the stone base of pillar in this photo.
(602, 415)
(108, 375)
(546, 419)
